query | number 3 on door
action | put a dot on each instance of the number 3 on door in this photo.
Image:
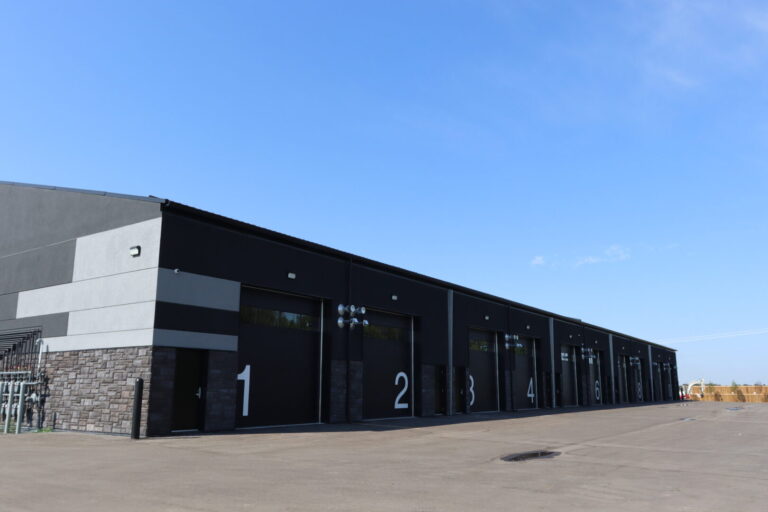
(398, 403)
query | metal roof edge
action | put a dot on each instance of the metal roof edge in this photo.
(150, 199)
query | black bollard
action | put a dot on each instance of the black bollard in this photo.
(138, 391)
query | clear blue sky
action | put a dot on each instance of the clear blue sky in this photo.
(606, 160)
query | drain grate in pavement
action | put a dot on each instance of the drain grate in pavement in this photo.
(538, 454)
(733, 408)
(687, 419)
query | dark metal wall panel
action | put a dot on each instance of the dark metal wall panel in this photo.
(181, 317)
(474, 313)
(37, 268)
(33, 217)
(568, 334)
(531, 325)
(51, 325)
(426, 303)
(8, 303)
(524, 323)
(203, 248)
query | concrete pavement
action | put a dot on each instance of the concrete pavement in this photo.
(698, 457)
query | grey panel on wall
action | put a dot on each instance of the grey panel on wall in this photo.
(38, 268)
(8, 306)
(52, 325)
(33, 217)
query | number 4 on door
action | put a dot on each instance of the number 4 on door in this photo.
(531, 393)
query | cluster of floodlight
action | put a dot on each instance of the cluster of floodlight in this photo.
(348, 315)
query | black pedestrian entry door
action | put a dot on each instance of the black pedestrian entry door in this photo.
(279, 358)
(524, 381)
(189, 390)
(387, 366)
(483, 390)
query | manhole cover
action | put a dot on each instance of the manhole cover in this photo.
(538, 454)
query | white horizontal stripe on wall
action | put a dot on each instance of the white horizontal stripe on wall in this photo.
(199, 340)
(129, 288)
(198, 290)
(138, 338)
(115, 318)
(142, 338)
(108, 252)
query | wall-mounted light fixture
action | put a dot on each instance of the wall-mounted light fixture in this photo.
(394, 297)
(486, 317)
(291, 275)
(135, 251)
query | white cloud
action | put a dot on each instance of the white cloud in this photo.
(538, 260)
(612, 254)
(689, 43)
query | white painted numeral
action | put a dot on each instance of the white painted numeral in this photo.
(597, 390)
(398, 403)
(531, 393)
(471, 391)
(245, 376)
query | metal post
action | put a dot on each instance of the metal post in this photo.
(20, 410)
(138, 391)
(8, 406)
(612, 365)
(650, 373)
(3, 386)
(552, 359)
(449, 372)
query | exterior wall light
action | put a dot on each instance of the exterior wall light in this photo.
(135, 251)
(291, 275)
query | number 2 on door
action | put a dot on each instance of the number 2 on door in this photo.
(401, 394)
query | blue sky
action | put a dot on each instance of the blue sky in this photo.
(605, 160)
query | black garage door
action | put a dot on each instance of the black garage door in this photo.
(483, 372)
(636, 372)
(387, 366)
(667, 378)
(524, 383)
(569, 376)
(595, 370)
(279, 359)
(657, 385)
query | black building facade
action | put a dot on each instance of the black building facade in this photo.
(235, 326)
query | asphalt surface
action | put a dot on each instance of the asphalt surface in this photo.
(697, 457)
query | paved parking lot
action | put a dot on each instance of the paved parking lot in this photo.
(701, 456)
